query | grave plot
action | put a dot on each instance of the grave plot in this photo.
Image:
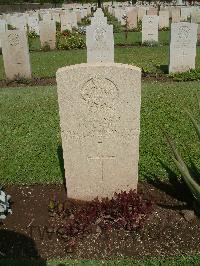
(99, 151)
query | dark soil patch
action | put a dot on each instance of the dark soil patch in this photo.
(52, 81)
(166, 232)
(25, 83)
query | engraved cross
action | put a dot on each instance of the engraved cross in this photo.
(102, 159)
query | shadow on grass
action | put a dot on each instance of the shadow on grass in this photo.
(61, 162)
(163, 68)
(18, 249)
(175, 188)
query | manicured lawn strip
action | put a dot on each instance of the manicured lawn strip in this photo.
(152, 59)
(176, 261)
(136, 37)
(30, 146)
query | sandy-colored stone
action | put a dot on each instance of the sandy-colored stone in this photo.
(150, 29)
(176, 15)
(33, 24)
(141, 13)
(185, 13)
(48, 33)
(65, 23)
(16, 54)
(3, 27)
(195, 18)
(182, 47)
(132, 18)
(152, 11)
(163, 19)
(99, 40)
(99, 107)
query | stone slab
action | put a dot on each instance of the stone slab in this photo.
(99, 107)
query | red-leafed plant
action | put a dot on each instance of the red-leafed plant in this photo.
(126, 210)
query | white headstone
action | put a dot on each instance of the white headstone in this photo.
(150, 29)
(99, 40)
(163, 19)
(65, 22)
(33, 24)
(48, 33)
(132, 18)
(152, 11)
(182, 47)
(141, 13)
(19, 22)
(56, 16)
(99, 107)
(3, 27)
(16, 54)
(176, 15)
(195, 18)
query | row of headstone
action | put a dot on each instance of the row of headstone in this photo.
(31, 19)
(135, 14)
(100, 44)
(100, 41)
(45, 28)
(150, 23)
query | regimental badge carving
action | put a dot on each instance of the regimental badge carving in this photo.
(101, 96)
(184, 32)
(13, 39)
(100, 38)
(98, 92)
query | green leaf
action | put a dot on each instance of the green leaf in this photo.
(192, 184)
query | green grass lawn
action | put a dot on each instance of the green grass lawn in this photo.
(45, 64)
(136, 37)
(177, 261)
(31, 136)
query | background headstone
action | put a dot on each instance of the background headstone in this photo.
(99, 40)
(176, 15)
(16, 54)
(132, 18)
(163, 19)
(150, 29)
(48, 33)
(65, 22)
(3, 27)
(182, 47)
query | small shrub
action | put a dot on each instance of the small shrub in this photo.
(21, 79)
(85, 21)
(10, 27)
(139, 27)
(113, 21)
(164, 29)
(150, 43)
(31, 36)
(46, 47)
(190, 75)
(65, 33)
(126, 210)
(67, 41)
(58, 26)
(4, 204)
